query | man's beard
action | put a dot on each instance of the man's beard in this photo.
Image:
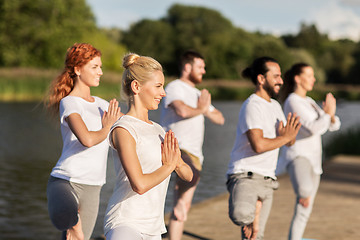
(194, 78)
(270, 90)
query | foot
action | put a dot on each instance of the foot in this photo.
(251, 230)
(180, 211)
(304, 202)
(75, 233)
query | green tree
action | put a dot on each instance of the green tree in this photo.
(194, 26)
(354, 72)
(335, 58)
(153, 38)
(112, 52)
(38, 32)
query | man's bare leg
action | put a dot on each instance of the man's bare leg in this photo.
(179, 216)
(251, 230)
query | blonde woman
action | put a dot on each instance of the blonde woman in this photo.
(75, 182)
(144, 157)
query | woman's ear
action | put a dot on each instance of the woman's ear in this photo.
(77, 71)
(297, 79)
(135, 86)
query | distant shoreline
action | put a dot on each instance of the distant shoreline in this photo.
(28, 84)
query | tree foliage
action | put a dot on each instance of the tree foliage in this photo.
(37, 33)
(335, 58)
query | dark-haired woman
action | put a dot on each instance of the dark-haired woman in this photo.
(303, 160)
(74, 185)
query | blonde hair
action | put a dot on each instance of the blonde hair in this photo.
(137, 68)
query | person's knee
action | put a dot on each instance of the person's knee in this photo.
(242, 214)
(64, 219)
(305, 191)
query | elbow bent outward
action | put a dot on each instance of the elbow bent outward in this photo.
(184, 171)
(139, 188)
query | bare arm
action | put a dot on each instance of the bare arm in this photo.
(287, 135)
(186, 111)
(90, 138)
(329, 106)
(183, 170)
(215, 117)
(125, 145)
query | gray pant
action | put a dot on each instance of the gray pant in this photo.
(305, 183)
(67, 199)
(245, 190)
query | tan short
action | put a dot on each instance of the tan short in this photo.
(191, 159)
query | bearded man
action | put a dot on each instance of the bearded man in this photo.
(183, 111)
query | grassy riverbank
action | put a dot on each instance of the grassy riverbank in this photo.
(345, 143)
(24, 84)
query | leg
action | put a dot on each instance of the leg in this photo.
(243, 201)
(75, 232)
(89, 198)
(250, 231)
(266, 193)
(305, 184)
(183, 195)
(63, 206)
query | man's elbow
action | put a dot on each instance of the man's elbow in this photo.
(182, 113)
(221, 121)
(257, 148)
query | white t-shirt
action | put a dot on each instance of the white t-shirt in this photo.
(144, 213)
(314, 123)
(188, 131)
(78, 163)
(256, 113)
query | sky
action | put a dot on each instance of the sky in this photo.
(337, 18)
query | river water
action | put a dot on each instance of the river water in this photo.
(30, 144)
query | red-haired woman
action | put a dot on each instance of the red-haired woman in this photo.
(75, 182)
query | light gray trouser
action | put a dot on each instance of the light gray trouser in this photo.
(67, 199)
(245, 190)
(127, 233)
(305, 183)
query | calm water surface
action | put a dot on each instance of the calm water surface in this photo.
(30, 145)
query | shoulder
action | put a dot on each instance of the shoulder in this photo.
(68, 99)
(124, 121)
(253, 101)
(101, 102)
(70, 102)
(173, 83)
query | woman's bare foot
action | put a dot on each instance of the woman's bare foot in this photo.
(251, 230)
(75, 233)
(304, 202)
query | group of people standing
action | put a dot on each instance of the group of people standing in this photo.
(146, 154)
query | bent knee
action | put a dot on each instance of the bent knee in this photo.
(63, 221)
(242, 215)
(305, 191)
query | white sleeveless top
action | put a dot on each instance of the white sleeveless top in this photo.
(144, 213)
